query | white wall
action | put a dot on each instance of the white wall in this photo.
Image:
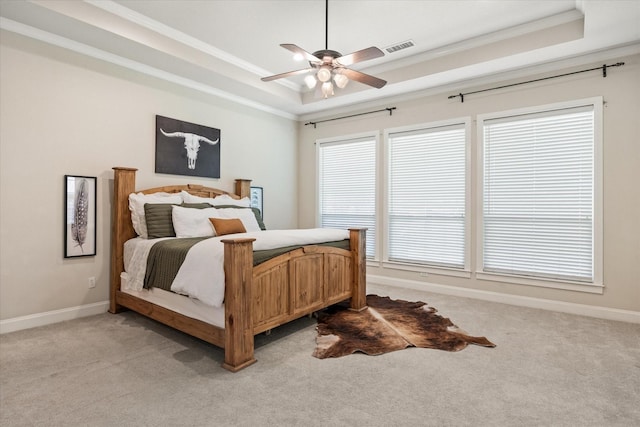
(621, 92)
(61, 113)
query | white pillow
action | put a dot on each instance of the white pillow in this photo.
(136, 206)
(246, 216)
(221, 200)
(188, 222)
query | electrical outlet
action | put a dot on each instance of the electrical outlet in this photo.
(92, 282)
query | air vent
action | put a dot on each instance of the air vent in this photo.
(399, 46)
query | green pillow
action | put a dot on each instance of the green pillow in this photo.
(159, 218)
(258, 215)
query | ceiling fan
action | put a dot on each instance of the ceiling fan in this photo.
(327, 65)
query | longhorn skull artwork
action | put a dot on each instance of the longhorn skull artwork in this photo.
(177, 139)
(191, 143)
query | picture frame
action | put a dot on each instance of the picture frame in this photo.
(80, 216)
(256, 197)
(184, 148)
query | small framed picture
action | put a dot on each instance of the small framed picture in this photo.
(256, 199)
(80, 216)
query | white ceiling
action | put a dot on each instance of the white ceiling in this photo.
(224, 47)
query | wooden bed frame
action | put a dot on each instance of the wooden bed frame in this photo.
(256, 298)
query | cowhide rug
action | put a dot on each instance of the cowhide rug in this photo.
(387, 325)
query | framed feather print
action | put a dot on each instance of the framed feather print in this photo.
(80, 216)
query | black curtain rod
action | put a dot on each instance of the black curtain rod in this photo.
(390, 110)
(603, 68)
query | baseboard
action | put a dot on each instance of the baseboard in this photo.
(545, 304)
(49, 317)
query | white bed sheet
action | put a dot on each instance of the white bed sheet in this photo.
(135, 260)
(179, 303)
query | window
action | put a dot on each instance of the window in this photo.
(539, 193)
(347, 185)
(427, 196)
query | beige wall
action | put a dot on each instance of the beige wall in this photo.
(621, 92)
(61, 113)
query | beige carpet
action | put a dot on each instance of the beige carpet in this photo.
(548, 369)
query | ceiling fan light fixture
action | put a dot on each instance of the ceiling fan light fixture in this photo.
(341, 80)
(327, 89)
(310, 81)
(324, 74)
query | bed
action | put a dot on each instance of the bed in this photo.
(256, 298)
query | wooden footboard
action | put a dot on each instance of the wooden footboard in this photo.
(256, 298)
(285, 288)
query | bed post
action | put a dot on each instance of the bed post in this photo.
(238, 334)
(357, 243)
(243, 188)
(124, 183)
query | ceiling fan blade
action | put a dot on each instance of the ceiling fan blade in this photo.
(300, 51)
(287, 74)
(363, 78)
(359, 56)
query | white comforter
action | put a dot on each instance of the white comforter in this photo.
(201, 275)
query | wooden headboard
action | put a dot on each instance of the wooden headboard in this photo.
(124, 183)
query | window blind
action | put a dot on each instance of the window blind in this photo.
(347, 186)
(538, 194)
(427, 196)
